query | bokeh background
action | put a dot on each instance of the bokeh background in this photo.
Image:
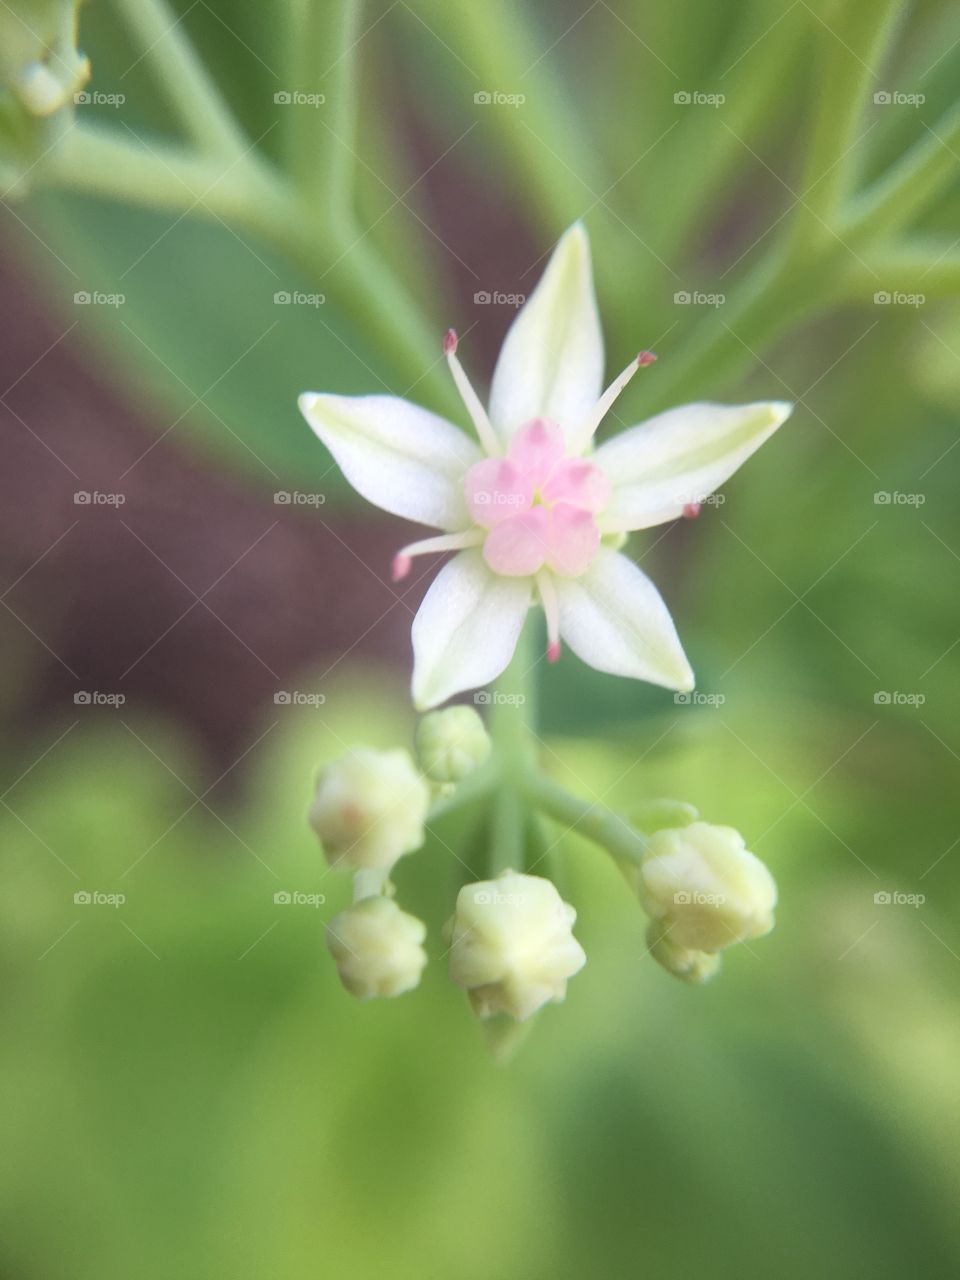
(186, 1089)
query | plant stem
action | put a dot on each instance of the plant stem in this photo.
(512, 713)
(594, 821)
(181, 75)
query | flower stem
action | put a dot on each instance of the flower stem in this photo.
(584, 817)
(512, 719)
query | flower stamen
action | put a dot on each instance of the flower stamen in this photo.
(478, 415)
(551, 610)
(403, 560)
(586, 431)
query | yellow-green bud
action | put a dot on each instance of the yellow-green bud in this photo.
(378, 948)
(452, 743)
(702, 884)
(370, 808)
(691, 966)
(511, 945)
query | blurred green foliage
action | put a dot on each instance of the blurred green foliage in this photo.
(187, 1090)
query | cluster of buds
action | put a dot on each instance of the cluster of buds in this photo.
(510, 942)
(41, 70)
(511, 945)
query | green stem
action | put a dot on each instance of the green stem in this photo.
(852, 48)
(181, 75)
(594, 821)
(907, 187)
(323, 39)
(512, 717)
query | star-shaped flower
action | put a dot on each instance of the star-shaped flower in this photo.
(534, 511)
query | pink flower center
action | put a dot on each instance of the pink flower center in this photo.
(538, 505)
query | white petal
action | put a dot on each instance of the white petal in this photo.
(551, 362)
(466, 629)
(397, 455)
(614, 618)
(681, 457)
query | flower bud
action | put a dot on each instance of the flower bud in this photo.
(377, 947)
(692, 966)
(702, 884)
(512, 947)
(369, 808)
(452, 743)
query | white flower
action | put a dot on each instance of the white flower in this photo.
(378, 948)
(704, 887)
(511, 945)
(533, 508)
(369, 808)
(452, 743)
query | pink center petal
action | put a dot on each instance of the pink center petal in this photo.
(574, 539)
(579, 483)
(536, 449)
(518, 547)
(496, 489)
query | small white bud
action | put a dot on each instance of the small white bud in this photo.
(378, 948)
(370, 808)
(705, 888)
(452, 743)
(692, 966)
(512, 947)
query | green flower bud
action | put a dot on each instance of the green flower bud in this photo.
(40, 72)
(369, 809)
(691, 966)
(512, 946)
(452, 743)
(378, 948)
(702, 884)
